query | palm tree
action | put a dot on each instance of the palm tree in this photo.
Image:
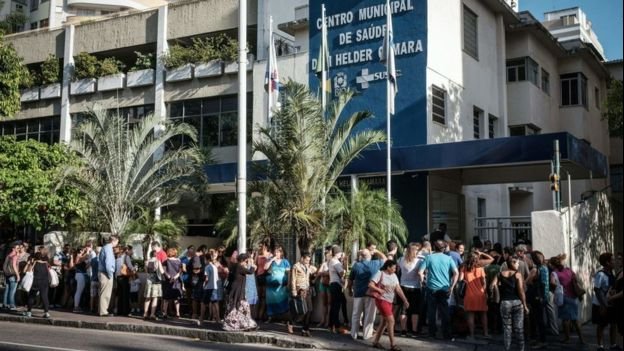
(306, 153)
(167, 229)
(128, 167)
(362, 217)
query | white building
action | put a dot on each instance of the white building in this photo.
(476, 80)
(571, 25)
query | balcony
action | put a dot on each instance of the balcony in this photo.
(115, 4)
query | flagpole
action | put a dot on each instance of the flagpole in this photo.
(326, 66)
(270, 65)
(388, 153)
(242, 127)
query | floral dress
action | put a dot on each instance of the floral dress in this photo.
(238, 313)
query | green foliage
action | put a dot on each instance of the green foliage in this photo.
(143, 61)
(178, 56)
(123, 169)
(30, 79)
(306, 151)
(31, 188)
(220, 47)
(109, 65)
(51, 70)
(13, 74)
(85, 66)
(12, 22)
(167, 230)
(613, 109)
(363, 217)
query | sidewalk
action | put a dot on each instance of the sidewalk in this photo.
(273, 334)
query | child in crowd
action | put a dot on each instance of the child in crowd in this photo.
(135, 287)
(197, 289)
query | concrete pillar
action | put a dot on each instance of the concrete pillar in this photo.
(161, 49)
(68, 72)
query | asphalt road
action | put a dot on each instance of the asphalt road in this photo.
(20, 336)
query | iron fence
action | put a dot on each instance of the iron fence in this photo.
(504, 230)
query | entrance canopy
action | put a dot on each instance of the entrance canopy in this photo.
(490, 161)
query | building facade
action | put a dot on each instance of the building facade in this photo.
(484, 91)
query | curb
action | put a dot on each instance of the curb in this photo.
(201, 334)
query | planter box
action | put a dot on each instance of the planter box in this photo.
(140, 78)
(51, 91)
(181, 73)
(232, 67)
(210, 69)
(83, 86)
(112, 82)
(31, 94)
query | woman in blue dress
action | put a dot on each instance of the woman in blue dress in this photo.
(277, 284)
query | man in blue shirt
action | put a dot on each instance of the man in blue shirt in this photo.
(360, 276)
(453, 252)
(441, 278)
(106, 268)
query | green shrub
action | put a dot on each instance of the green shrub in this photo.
(143, 61)
(50, 70)
(228, 48)
(86, 66)
(110, 65)
(206, 49)
(178, 56)
(13, 73)
(30, 79)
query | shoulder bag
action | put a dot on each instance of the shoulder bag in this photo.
(374, 293)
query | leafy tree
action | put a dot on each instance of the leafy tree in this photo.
(167, 229)
(13, 22)
(51, 70)
(31, 189)
(13, 74)
(127, 168)
(85, 66)
(613, 108)
(306, 152)
(363, 217)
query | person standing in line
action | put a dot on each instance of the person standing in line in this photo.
(440, 285)
(277, 284)
(238, 314)
(95, 283)
(513, 304)
(411, 287)
(336, 284)
(12, 276)
(261, 276)
(196, 286)
(603, 315)
(187, 269)
(422, 317)
(106, 268)
(123, 280)
(475, 299)
(300, 292)
(172, 285)
(539, 282)
(324, 296)
(135, 287)
(568, 312)
(81, 261)
(386, 284)
(210, 286)
(153, 286)
(357, 286)
(41, 283)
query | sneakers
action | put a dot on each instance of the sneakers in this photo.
(46, 315)
(27, 314)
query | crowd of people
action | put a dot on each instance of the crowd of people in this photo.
(433, 285)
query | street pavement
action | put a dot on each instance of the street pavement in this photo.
(184, 334)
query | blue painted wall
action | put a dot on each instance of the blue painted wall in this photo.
(355, 64)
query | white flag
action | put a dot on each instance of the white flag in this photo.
(387, 56)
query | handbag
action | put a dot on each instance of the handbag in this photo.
(7, 267)
(578, 288)
(298, 305)
(124, 271)
(54, 278)
(460, 289)
(26, 282)
(374, 293)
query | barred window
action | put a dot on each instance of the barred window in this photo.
(438, 104)
(471, 33)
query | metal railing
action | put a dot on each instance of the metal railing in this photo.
(504, 230)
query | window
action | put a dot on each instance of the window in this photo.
(471, 44)
(216, 119)
(597, 97)
(573, 89)
(522, 69)
(34, 5)
(492, 126)
(34, 25)
(477, 116)
(45, 130)
(568, 20)
(44, 23)
(438, 104)
(545, 81)
(523, 129)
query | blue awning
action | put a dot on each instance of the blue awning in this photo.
(488, 161)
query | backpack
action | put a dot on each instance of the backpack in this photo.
(7, 267)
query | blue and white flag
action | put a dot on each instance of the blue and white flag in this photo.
(387, 56)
